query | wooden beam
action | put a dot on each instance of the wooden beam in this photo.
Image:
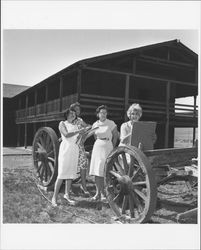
(166, 61)
(25, 135)
(126, 100)
(46, 97)
(35, 100)
(167, 114)
(61, 93)
(142, 76)
(79, 83)
(18, 135)
(194, 116)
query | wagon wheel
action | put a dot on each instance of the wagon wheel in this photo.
(130, 184)
(45, 155)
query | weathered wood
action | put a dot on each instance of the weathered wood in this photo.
(18, 135)
(194, 115)
(60, 93)
(172, 156)
(126, 96)
(35, 100)
(79, 83)
(167, 115)
(163, 80)
(46, 98)
(25, 135)
(190, 213)
(102, 97)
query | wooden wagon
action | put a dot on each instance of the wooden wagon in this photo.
(131, 175)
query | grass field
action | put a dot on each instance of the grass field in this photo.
(23, 203)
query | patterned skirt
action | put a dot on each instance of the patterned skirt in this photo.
(82, 160)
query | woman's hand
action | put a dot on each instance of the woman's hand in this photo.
(126, 139)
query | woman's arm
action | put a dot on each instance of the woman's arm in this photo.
(125, 135)
(63, 130)
(115, 136)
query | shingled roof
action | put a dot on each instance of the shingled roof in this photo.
(11, 90)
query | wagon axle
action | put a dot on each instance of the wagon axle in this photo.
(125, 184)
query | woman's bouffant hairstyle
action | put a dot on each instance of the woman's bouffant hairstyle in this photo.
(136, 107)
(66, 113)
(74, 105)
(99, 109)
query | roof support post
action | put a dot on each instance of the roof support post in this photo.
(18, 135)
(194, 116)
(126, 100)
(46, 98)
(167, 124)
(25, 135)
(79, 82)
(35, 101)
(60, 93)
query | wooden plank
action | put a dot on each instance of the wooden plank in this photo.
(172, 156)
(163, 80)
(167, 115)
(126, 95)
(25, 135)
(46, 98)
(82, 100)
(79, 83)
(60, 93)
(101, 97)
(18, 135)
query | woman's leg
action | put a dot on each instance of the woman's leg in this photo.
(99, 180)
(68, 184)
(56, 190)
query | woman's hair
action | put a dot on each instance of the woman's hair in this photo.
(136, 107)
(74, 105)
(66, 113)
(101, 107)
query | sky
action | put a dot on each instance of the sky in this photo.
(30, 56)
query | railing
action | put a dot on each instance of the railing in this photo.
(50, 107)
(175, 110)
(89, 104)
(53, 106)
(68, 100)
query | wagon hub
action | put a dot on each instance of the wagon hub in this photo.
(125, 184)
(42, 154)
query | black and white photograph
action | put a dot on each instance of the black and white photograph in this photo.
(99, 129)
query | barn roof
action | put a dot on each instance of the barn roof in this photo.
(135, 51)
(11, 90)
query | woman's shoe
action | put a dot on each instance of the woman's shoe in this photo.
(95, 198)
(54, 204)
(70, 202)
(85, 192)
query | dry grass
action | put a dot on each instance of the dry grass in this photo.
(23, 203)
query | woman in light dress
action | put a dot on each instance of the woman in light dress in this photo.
(68, 156)
(134, 114)
(106, 138)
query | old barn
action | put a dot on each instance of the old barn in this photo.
(153, 75)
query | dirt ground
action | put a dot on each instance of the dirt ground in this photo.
(23, 202)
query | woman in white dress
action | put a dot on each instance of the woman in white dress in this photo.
(134, 113)
(68, 156)
(106, 138)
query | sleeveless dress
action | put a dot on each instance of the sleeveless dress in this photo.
(68, 154)
(102, 146)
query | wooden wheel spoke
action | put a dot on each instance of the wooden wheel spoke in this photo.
(42, 142)
(51, 166)
(140, 194)
(139, 183)
(135, 174)
(115, 174)
(48, 142)
(46, 171)
(124, 204)
(131, 205)
(42, 172)
(39, 147)
(114, 207)
(119, 168)
(39, 168)
(50, 152)
(137, 202)
(116, 198)
(125, 162)
(51, 159)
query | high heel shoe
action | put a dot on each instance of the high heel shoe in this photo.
(70, 202)
(85, 192)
